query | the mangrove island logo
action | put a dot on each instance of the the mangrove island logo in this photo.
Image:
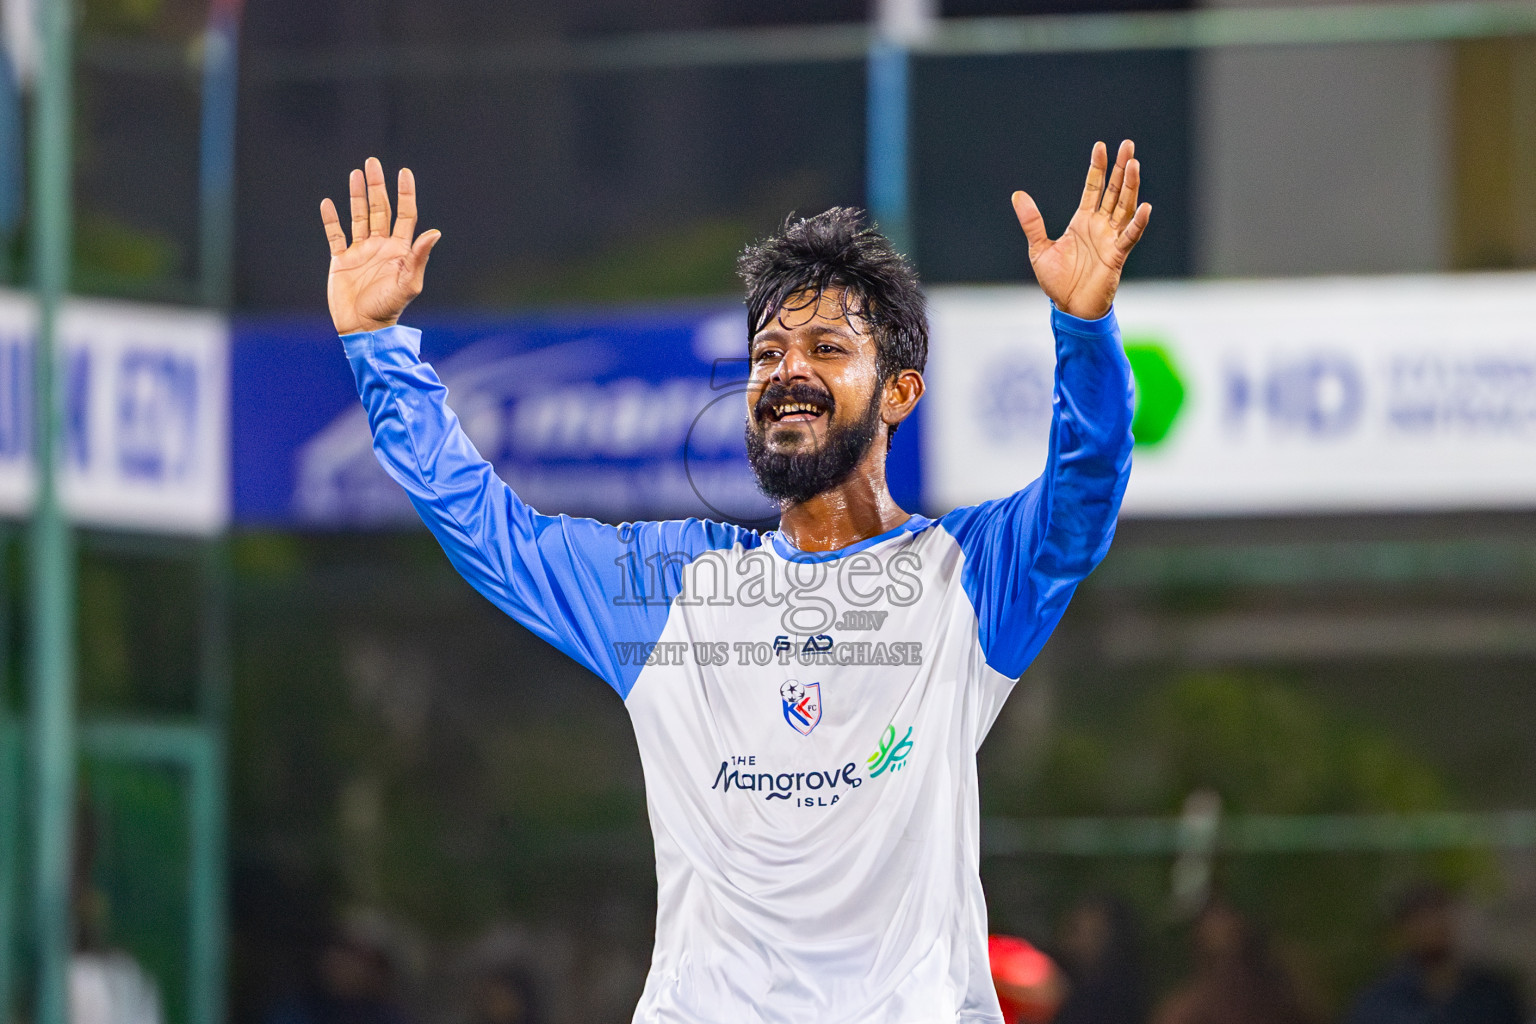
(891, 754)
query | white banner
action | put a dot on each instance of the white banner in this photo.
(1369, 394)
(145, 393)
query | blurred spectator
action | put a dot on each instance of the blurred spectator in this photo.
(1432, 982)
(352, 981)
(1236, 980)
(106, 985)
(109, 987)
(1029, 984)
(506, 996)
(1106, 983)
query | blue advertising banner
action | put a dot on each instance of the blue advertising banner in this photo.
(616, 415)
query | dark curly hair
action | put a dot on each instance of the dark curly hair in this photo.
(839, 250)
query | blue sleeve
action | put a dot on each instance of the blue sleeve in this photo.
(1025, 554)
(599, 593)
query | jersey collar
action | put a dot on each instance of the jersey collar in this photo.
(794, 554)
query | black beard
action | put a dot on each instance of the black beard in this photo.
(793, 477)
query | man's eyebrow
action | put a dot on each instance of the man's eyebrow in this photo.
(821, 329)
(818, 330)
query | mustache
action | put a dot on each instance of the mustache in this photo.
(778, 394)
(790, 477)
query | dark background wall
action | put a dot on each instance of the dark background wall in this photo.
(644, 184)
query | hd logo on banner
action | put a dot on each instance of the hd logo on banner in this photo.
(144, 390)
(1365, 394)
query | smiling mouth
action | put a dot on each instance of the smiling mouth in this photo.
(794, 412)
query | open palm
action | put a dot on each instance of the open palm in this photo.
(374, 278)
(1080, 271)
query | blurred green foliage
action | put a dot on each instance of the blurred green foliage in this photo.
(401, 745)
(113, 257)
(167, 19)
(1266, 747)
(120, 16)
(140, 622)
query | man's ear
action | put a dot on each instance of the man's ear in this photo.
(901, 395)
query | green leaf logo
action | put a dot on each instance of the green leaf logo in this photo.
(891, 753)
(1159, 390)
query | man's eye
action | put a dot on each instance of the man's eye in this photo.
(766, 354)
(828, 349)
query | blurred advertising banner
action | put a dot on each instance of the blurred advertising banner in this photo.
(1263, 397)
(145, 438)
(619, 414)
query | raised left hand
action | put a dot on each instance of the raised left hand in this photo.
(1080, 271)
(375, 277)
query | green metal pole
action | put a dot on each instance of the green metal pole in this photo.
(216, 165)
(10, 833)
(51, 583)
(10, 789)
(207, 902)
(217, 227)
(205, 968)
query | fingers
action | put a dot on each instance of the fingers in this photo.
(378, 197)
(1128, 196)
(1093, 189)
(359, 196)
(334, 236)
(1117, 176)
(405, 221)
(1030, 220)
(1128, 238)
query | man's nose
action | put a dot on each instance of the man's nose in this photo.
(792, 366)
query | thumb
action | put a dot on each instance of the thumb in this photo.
(1030, 220)
(421, 251)
(422, 247)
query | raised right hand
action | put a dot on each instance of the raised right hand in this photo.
(375, 278)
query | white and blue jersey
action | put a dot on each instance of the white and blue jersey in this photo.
(808, 722)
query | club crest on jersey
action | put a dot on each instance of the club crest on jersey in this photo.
(802, 705)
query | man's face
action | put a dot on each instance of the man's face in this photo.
(813, 398)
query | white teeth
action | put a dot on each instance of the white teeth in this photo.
(789, 410)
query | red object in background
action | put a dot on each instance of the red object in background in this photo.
(1029, 985)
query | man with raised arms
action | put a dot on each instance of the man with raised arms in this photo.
(815, 815)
